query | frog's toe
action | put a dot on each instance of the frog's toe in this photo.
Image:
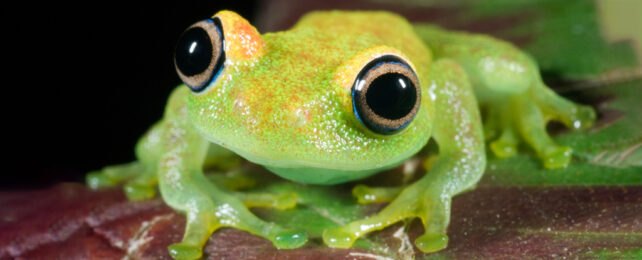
(184, 251)
(506, 145)
(366, 195)
(503, 149)
(338, 237)
(113, 175)
(557, 157)
(137, 191)
(583, 118)
(98, 179)
(290, 239)
(285, 201)
(431, 242)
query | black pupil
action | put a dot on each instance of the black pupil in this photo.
(391, 96)
(193, 52)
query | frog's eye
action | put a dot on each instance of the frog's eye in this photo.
(199, 54)
(386, 94)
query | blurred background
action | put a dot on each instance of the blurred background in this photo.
(85, 81)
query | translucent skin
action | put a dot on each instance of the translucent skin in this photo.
(283, 100)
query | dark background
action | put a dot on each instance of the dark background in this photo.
(82, 82)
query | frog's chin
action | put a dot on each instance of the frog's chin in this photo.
(322, 176)
(315, 172)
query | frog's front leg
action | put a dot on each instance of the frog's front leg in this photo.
(207, 207)
(459, 166)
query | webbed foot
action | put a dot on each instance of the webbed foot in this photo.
(416, 200)
(208, 208)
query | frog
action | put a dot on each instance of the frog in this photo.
(340, 96)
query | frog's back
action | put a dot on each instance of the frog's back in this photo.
(496, 68)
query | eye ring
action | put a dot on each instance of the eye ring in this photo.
(386, 95)
(199, 56)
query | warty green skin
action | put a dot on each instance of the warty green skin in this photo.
(290, 110)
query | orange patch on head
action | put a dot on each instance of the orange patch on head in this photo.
(242, 40)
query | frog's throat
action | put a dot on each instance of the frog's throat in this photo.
(314, 172)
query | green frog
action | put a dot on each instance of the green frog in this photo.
(339, 97)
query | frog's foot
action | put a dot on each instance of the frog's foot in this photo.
(140, 182)
(367, 195)
(525, 118)
(413, 202)
(209, 208)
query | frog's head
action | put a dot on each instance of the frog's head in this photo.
(328, 101)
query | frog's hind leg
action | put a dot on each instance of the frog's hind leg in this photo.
(573, 116)
(139, 176)
(531, 111)
(523, 116)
